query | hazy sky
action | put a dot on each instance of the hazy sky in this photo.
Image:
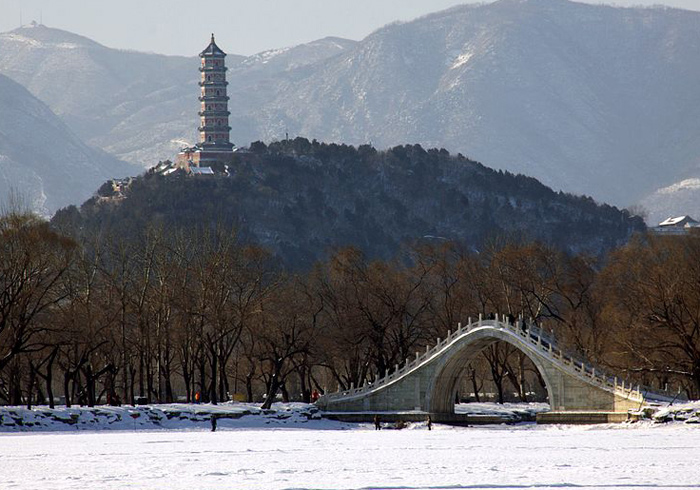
(241, 26)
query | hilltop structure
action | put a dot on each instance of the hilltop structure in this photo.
(214, 130)
(679, 225)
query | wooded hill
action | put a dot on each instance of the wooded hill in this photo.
(303, 199)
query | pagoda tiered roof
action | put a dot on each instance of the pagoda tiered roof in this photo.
(212, 49)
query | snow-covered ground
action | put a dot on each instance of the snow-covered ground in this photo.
(187, 416)
(506, 410)
(289, 448)
(175, 416)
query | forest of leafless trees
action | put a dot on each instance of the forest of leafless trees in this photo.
(102, 319)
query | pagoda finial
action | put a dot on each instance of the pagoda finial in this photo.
(212, 37)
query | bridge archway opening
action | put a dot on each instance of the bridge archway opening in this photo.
(500, 374)
(489, 367)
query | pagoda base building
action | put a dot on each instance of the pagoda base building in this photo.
(201, 157)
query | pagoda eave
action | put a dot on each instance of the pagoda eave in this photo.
(213, 69)
(214, 98)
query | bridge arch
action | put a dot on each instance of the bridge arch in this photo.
(442, 388)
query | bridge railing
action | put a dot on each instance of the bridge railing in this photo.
(539, 340)
(545, 345)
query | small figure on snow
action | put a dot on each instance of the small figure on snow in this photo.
(213, 422)
(377, 423)
(430, 423)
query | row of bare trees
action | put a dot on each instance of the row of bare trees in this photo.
(196, 315)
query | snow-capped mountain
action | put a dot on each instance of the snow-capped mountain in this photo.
(589, 99)
(41, 159)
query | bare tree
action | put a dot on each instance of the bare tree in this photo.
(33, 260)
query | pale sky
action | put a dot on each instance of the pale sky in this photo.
(241, 26)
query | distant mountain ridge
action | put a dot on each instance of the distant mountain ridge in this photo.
(590, 99)
(41, 159)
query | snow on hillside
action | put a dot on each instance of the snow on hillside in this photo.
(290, 58)
(580, 96)
(41, 159)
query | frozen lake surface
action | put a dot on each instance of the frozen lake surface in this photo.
(328, 455)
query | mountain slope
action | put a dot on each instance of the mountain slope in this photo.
(117, 100)
(582, 97)
(41, 159)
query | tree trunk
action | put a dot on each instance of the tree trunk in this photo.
(142, 375)
(30, 388)
(271, 392)
(169, 398)
(696, 379)
(285, 393)
(249, 387)
(475, 386)
(15, 383)
(499, 386)
(66, 388)
(89, 385)
(49, 377)
(202, 380)
(305, 390)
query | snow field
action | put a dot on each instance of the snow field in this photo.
(635, 456)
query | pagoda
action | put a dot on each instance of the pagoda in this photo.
(214, 140)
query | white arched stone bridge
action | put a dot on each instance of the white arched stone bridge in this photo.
(428, 383)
